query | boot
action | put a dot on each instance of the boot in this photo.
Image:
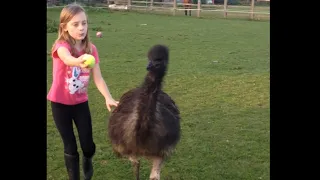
(72, 165)
(87, 168)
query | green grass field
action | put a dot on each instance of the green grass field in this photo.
(218, 75)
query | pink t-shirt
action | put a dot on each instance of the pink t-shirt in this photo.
(69, 84)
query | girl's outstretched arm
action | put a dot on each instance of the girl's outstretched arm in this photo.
(68, 59)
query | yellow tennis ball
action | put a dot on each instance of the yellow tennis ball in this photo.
(89, 60)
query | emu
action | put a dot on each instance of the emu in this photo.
(146, 122)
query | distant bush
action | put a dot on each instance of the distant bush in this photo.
(52, 26)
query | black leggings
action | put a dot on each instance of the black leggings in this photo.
(80, 113)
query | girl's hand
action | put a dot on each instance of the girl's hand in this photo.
(111, 102)
(81, 61)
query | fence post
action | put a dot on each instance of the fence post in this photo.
(129, 4)
(174, 7)
(199, 8)
(252, 9)
(225, 8)
(151, 4)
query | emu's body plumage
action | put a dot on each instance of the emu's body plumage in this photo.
(138, 134)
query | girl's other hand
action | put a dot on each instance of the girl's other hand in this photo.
(110, 103)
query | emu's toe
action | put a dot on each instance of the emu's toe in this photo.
(154, 178)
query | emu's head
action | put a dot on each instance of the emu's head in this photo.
(158, 57)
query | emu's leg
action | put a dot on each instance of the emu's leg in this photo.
(156, 168)
(136, 166)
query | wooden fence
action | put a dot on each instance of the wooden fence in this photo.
(175, 7)
(199, 8)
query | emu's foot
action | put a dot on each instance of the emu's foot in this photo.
(155, 175)
(155, 178)
(156, 168)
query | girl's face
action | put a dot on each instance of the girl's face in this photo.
(77, 27)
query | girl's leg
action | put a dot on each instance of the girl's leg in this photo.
(82, 118)
(62, 115)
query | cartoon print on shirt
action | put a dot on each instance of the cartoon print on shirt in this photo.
(74, 84)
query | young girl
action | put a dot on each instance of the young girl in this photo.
(68, 93)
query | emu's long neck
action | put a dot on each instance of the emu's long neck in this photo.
(149, 94)
(152, 84)
(151, 88)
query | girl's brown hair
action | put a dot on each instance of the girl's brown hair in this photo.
(67, 13)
